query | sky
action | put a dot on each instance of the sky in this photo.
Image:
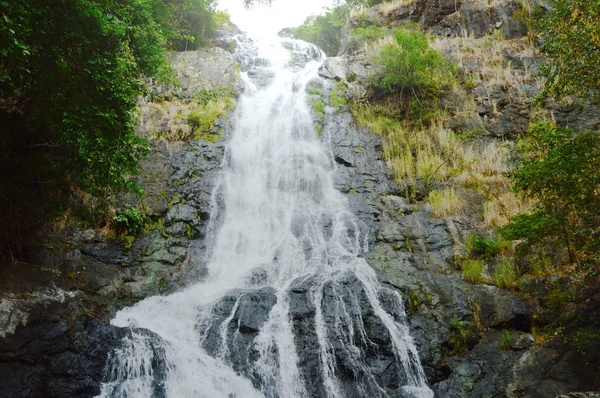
(268, 20)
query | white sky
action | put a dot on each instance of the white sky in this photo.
(268, 20)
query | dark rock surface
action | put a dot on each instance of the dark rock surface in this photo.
(58, 350)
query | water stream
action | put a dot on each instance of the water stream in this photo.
(289, 308)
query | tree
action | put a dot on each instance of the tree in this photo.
(325, 31)
(70, 73)
(558, 169)
(413, 74)
(570, 36)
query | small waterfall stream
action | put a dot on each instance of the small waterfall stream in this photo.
(289, 308)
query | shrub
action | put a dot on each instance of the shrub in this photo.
(557, 169)
(131, 220)
(480, 247)
(472, 271)
(571, 43)
(336, 99)
(319, 107)
(505, 275)
(362, 35)
(414, 73)
(460, 336)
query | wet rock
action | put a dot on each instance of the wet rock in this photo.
(59, 352)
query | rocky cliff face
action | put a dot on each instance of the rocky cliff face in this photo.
(473, 340)
(415, 251)
(54, 312)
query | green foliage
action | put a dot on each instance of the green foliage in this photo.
(315, 91)
(472, 271)
(319, 107)
(69, 77)
(186, 24)
(131, 219)
(505, 340)
(461, 332)
(205, 96)
(505, 275)
(570, 35)
(335, 98)
(326, 31)
(319, 129)
(481, 247)
(558, 169)
(212, 104)
(414, 74)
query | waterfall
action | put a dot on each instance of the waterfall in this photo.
(289, 308)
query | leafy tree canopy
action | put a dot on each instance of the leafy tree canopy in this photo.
(570, 35)
(558, 169)
(70, 73)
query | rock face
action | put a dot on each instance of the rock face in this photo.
(454, 18)
(58, 347)
(415, 254)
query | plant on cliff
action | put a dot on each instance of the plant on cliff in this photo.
(186, 24)
(413, 74)
(570, 35)
(70, 73)
(326, 31)
(558, 169)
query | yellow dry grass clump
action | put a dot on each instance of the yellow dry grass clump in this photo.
(488, 53)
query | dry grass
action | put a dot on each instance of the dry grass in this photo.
(498, 210)
(488, 54)
(388, 7)
(444, 203)
(435, 153)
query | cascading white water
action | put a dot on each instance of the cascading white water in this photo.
(288, 305)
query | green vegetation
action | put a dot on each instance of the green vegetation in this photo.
(485, 248)
(505, 275)
(327, 30)
(365, 34)
(473, 271)
(319, 128)
(323, 30)
(131, 220)
(414, 75)
(336, 97)
(505, 340)
(557, 168)
(315, 91)
(212, 104)
(571, 43)
(319, 107)
(69, 77)
(460, 336)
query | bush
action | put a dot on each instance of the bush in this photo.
(362, 35)
(505, 275)
(323, 30)
(414, 73)
(131, 220)
(444, 203)
(557, 168)
(571, 43)
(480, 247)
(472, 271)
